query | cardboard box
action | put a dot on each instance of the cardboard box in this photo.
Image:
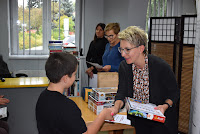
(98, 106)
(142, 110)
(107, 79)
(102, 94)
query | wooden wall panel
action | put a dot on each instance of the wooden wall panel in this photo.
(186, 86)
(164, 51)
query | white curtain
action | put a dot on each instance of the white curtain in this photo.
(194, 124)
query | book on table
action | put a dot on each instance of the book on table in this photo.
(137, 108)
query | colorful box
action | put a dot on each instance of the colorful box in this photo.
(98, 106)
(136, 108)
(102, 94)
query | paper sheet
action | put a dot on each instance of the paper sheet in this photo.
(3, 112)
(95, 65)
(122, 119)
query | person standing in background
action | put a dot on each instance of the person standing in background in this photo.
(96, 49)
(112, 57)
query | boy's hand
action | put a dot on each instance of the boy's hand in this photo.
(114, 111)
(106, 113)
(3, 101)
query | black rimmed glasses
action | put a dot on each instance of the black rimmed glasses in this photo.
(126, 50)
(109, 36)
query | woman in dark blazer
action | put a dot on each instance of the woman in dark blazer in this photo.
(96, 49)
(146, 78)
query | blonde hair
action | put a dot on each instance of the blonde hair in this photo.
(134, 35)
(113, 26)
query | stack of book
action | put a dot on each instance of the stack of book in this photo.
(101, 98)
(55, 46)
(137, 108)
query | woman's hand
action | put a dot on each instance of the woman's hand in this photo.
(162, 108)
(89, 71)
(99, 69)
(106, 68)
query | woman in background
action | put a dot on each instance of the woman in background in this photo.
(112, 57)
(96, 49)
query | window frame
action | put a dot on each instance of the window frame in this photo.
(14, 41)
(14, 51)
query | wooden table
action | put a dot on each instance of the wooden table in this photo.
(24, 82)
(89, 117)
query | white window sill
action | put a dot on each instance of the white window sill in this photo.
(28, 57)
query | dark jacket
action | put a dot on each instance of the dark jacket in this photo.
(96, 51)
(162, 86)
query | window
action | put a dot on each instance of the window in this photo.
(34, 22)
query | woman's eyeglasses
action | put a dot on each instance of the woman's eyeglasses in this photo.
(126, 50)
(109, 36)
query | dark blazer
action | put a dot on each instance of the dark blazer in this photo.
(162, 86)
(96, 51)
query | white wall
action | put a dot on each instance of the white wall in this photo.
(93, 16)
(4, 29)
(189, 7)
(126, 12)
(194, 123)
(116, 11)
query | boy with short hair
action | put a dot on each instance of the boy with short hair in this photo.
(57, 114)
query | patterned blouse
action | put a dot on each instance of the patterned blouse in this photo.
(141, 82)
